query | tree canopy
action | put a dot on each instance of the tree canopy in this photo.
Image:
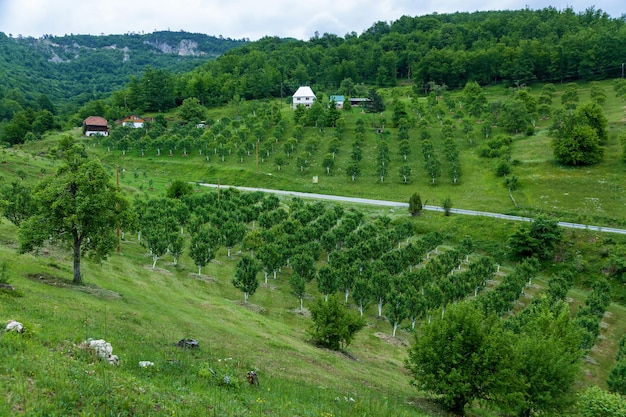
(78, 207)
(579, 136)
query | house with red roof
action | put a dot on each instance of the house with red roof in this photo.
(95, 125)
(133, 121)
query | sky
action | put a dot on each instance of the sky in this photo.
(239, 19)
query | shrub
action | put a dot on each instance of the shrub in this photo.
(595, 402)
(333, 326)
(415, 205)
(499, 146)
(503, 168)
(617, 378)
(539, 238)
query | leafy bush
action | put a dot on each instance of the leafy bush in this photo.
(538, 238)
(415, 205)
(503, 168)
(333, 326)
(498, 146)
(595, 402)
(617, 378)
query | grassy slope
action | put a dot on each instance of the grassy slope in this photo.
(143, 312)
(593, 195)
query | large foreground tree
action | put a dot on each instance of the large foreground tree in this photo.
(79, 207)
(465, 357)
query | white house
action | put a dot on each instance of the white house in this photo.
(304, 95)
(133, 121)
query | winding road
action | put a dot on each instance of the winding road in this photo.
(396, 204)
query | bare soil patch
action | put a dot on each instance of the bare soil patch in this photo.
(395, 341)
(59, 282)
(304, 312)
(253, 307)
(205, 278)
(157, 269)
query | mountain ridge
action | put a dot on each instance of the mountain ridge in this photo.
(61, 66)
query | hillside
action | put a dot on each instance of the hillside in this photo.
(500, 47)
(429, 130)
(144, 311)
(77, 68)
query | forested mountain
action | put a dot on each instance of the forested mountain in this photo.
(513, 47)
(156, 72)
(73, 69)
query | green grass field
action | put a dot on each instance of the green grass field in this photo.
(591, 195)
(143, 312)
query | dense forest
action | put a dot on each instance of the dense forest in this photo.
(512, 47)
(432, 53)
(73, 69)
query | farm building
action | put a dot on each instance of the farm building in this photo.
(305, 96)
(133, 121)
(95, 125)
(338, 101)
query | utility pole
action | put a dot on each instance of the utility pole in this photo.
(117, 207)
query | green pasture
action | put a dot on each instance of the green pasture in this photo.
(143, 311)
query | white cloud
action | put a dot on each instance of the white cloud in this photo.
(241, 18)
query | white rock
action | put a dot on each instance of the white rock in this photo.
(14, 326)
(103, 349)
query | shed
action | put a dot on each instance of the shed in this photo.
(338, 101)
